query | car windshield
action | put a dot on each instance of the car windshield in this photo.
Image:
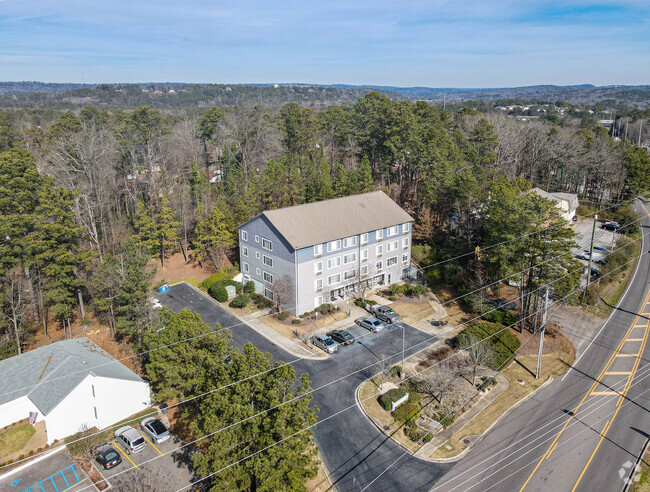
(138, 441)
(388, 311)
(158, 427)
(329, 341)
(110, 455)
(375, 323)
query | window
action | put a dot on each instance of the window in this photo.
(318, 301)
(258, 272)
(405, 242)
(95, 417)
(350, 241)
(392, 230)
(268, 261)
(379, 234)
(257, 255)
(364, 270)
(352, 257)
(244, 267)
(268, 294)
(391, 246)
(244, 251)
(318, 267)
(364, 238)
(244, 236)
(379, 265)
(93, 387)
(405, 228)
(334, 262)
(334, 245)
(334, 279)
(266, 244)
(268, 277)
(405, 257)
(391, 261)
(380, 250)
(364, 254)
(350, 274)
(318, 249)
(318, 284)
(257, 239)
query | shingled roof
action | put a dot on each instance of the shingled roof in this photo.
(48, 374)
(320, 222)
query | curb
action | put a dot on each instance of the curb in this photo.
(242, 321)
(635, 468)
(33, 462)
(466, 451)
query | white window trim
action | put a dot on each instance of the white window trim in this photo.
(405, 227)
(405, 257)
(264, 274)
(353, 272)
(318, 250)
(334, 245)
(316, 266)
(244, 251)
(348, 242)
(379, 234)
(329, 279)
(318, 281)
(257, 238)
(257, 255)
(379, 250)
(405, 242)
(364, 238)
(267, 258)
(244, 235)
(258, 272)
(337, 258)
(391, 261)
(392, 231)
(354, 260)
(379, 266)
(364, 270)
(270, 248)
(364, 254)
(244, 267)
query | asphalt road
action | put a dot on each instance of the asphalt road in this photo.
(584, 431)
(53, 474)
(354, 451)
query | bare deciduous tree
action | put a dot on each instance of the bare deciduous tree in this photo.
(438, 381)
(13, 300)
(283, 292)
(478, 354)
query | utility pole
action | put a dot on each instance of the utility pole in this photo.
(640, 126)
(591, 254)
(403, 330)
(521, 304)
(541, 335)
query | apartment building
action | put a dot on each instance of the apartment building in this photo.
(319, 252)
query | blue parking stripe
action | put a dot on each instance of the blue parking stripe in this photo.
(65, 479)
(75, 473)
(55, 487)
(52, 477)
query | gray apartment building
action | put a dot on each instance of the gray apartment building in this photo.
(320, 252)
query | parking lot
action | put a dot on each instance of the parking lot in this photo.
(604, 241)
(57, 473)
(157, 465)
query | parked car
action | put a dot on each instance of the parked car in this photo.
(501, 304)
(155, 303)
(130, 439)
(341, 336)
(384, 313)
(595, 273)
(155, 429)
(370, 323)
(601, 248)
(325, 343)
(598, 258)
(611, 226)
(108, 457)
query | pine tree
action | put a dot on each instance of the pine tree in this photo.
(167, 225)
(212, 235)
(365, 175)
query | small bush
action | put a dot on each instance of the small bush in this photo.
(249, 288)
(303, 315)
(218, 292)
(414, 397)
(406, 412)
(420, 290)
(31, 452)
(21, 456)
(215, 277)
(392, 298)
(395, 370)
(240, 302)
(283, 315)
(9, 462)
(414, 435)
(386, 400)
(296, 321)
(397, 289)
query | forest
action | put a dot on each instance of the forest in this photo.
(89, 197)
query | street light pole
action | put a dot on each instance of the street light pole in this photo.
(541, 335)
(403, 330)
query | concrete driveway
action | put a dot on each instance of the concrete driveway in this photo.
(353, 450)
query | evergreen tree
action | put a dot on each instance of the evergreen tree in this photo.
(212, 236)
(167, 225)
(365, 176)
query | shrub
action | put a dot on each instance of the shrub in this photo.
(296, 321)
(414, 397)
(249, 288)
(395, 370)
(218, 292)
(504, 343)
(420, 290)
(220, 275)
(396, 289)
(387, 399)
(406, 412)
(412, 433)
(392, 298)
(241, 301)
(283, 315)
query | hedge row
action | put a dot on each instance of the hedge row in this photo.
(406, 411)
(386, 400)
(504, 343)
(218, 289)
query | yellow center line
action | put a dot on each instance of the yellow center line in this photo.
(618, 373)
(152, 444)
(125, 455)
(627, 355)
(73, 486)
(604, 393)
(635, 339)
(592, 388)
(551, 450)
(618, 405)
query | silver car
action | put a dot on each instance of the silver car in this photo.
(155, 429)
(370, 323)
(130, 439)
(325, 343)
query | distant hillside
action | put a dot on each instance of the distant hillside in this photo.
(183, 96)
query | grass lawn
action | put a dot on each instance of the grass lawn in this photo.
(319, 483)
(190, 280)
(524, 368)
(368, 394)
(15, 439)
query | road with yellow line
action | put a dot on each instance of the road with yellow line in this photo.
(584, 431)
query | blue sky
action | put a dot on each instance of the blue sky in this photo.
(435, 43)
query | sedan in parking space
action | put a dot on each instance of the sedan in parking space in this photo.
(155, 429)
(611, 226)
(108, 457)
(370, 323)
(341, 336)
(325, 343)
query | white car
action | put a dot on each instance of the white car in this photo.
(155, 429)
(155, 303)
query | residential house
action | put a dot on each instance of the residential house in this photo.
(566, 202)
(69, 384)
(319, 252)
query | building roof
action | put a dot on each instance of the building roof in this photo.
(48, 374)
(320, 222)
(570, 198)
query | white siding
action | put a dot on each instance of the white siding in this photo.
(16, 410)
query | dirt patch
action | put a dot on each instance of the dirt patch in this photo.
(411, 307)
(554, 342)
(176, 270)
(456, 314)
(92, 473)
(320, 483)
